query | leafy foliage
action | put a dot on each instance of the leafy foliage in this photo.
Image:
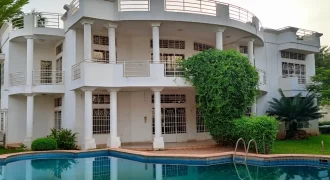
(10, 9)
(294, 111)
(321, 81)
(321, 85)
(262, 129)
(55, 165)
(65, 138)
(322, 58)
(44, 144)
(225, 84)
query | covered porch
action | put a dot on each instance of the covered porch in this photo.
(149, 118)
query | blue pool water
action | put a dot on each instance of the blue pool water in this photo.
(112, 168)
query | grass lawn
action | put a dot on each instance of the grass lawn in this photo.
(312, 145)
(8, 151)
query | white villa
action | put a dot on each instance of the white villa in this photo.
(107, 69)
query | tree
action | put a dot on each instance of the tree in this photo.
(322, 58)
(10, 9)
(294, 111)
(321, 81)
(225, 84)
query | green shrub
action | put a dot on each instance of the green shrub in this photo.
(225, 84)
(262, 129)
(44, 144)
(65, 138)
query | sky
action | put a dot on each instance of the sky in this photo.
(307, 14)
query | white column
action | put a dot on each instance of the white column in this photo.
(250, 52)
(89, 141)
(114, 168)
(159, 171)
(113, 140)
(219, 37)
(29, 120)
(29, 60)
(251, 59)
(87, 38)
(112, 41)
(155, 42)
(158, 139)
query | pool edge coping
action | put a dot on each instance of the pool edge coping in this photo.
(174, 156)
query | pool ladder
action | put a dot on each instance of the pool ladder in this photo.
(246, 153)
(245, 149)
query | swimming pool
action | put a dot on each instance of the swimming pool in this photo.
(119, 166)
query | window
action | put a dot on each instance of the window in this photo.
(202, 47)
(292, 55)
(171, 98)
(101, 40)
(172, 171)
(101, 168)
(58, 102)
(59, 49)
(243, 49)
(101, 99)
(170, 44)
(294, 70)
(59, 70)
(101, 121)
(2, 73)
(101, 55)
(173, 121)
(46, 72)
(58, 119)
(200, 124)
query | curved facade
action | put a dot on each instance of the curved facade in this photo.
(108, 69)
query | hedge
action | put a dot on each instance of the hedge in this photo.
(262, 129)
(44, 144)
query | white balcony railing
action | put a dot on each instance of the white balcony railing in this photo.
(75, 4)
(262, 77)
(173, 70)
(208, 7)
(49, 20)
(48, 77)
(38, 78)
(17, 78)
(136, 68)
(40, 19)
(302, 79)
(134, 5)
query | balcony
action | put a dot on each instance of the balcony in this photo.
(201, 11)
(37, 23)
(293, 39)
(293, 84)
(134, 74)
(42, 82)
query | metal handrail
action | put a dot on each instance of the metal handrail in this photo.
(208, 7)
(135, 5)
(247, 150)
(240, 139)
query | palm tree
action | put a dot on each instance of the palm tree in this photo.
(294, 111)
(10, 9)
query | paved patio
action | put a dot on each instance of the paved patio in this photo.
(192, 147)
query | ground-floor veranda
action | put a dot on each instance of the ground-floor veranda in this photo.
(113, 117)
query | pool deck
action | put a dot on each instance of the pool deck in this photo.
(203, 150)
